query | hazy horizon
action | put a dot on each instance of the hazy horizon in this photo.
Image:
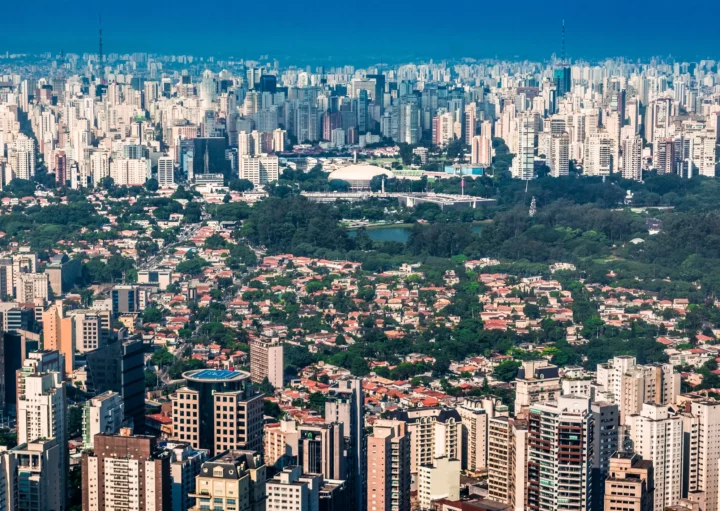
(371, 32)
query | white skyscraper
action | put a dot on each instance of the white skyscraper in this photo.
(99, 166)
(25, 147)
(42, 415)
(524, 162)
(481, 151)
(130, 172)
(657, 436)
(278, 141)
(439, 480)
(702, 426)
(102, 414)
(259, 170)
(629, 385)
(598, 155)
(291, 490)
(246, 143)
(558, 160)
(632, 158)
(166, 177)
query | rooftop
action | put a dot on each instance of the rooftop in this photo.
(214, 375)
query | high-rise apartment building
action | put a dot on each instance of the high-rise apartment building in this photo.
(434, 432)
(605, 443)
(278, 140)
(280, 443)
(537, 380)
(598, 159)
(409, 121)
(259, 170)
(266, 361)
(99, 166)
(632, 158)
(629, 486)
(8, 479)
(507, 461)
(101, 414)
(126, 472)
(474, 414)
(656, 435)
(560, 455)
(523, 166)
(702, 452)
(345, 403)
(558, 159)
(231, 481)
(291, 490)
(388, 467)
(130, 171)
(30, 477)
(92, 329)
(321, 450)
(32, 286)
(470, 124)
(34, 362)
(630, 385)
(218, 411)
(25, 149)
(441, 480)
(307, 125)
(184, 468)
(444, 128)
(481, 151)
(42, 415)
(61, 176)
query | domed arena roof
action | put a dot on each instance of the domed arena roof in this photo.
(359, 172)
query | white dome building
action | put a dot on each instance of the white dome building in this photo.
(360, 175)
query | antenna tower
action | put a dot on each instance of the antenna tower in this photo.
(100, 49)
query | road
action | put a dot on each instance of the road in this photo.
(187, 232)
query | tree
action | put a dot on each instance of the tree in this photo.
(152, 185)
(162, 357)
(455, 149)
(240, 185)
(317, 402)
(339, 185)
(192, 266)
(441, 365)
(7, 438)
(107, 183)
(192, 213)
(75, 418)
(152, 315)
(215, 242)
(532, 311)
(359, 366)
(266, 387)
(151, 379)
(506, 370)
(272, 409)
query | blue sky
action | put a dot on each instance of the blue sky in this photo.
(370, 30)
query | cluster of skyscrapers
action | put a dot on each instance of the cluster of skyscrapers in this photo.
(127, 118)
